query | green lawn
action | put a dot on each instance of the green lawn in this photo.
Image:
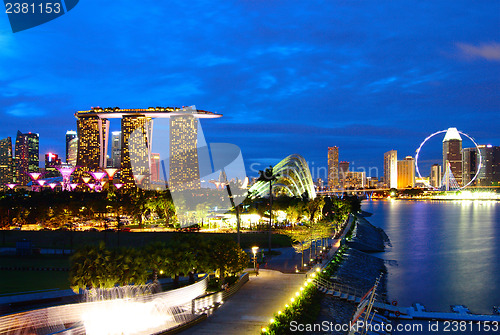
(24, 281)
(67, 239)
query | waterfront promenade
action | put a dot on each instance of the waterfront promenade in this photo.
(252, 307)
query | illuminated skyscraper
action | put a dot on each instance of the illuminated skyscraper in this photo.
(436, 175)
(391, 169)
(33, 141)
(406, 172)
(136, 150)
(452, 154)
(184, 169)
(155, 167)
(116, 149)
(92, 141)
(72, 152)
(6, 162)
(52, 162)
(22, 159)
(333, 168)
(343, 171)
(70, 135)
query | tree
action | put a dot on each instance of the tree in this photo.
(178, 261)
(90, 268)
(301, 239)
(227, 257)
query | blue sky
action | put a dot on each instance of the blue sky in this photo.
(289, 76)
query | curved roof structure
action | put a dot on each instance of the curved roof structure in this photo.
(294, 179)
(153, 112)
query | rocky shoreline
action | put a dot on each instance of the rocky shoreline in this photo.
(359, 270)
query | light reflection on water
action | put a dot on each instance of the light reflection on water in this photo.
(448, 253)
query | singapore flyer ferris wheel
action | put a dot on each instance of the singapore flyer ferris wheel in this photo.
(448, 181)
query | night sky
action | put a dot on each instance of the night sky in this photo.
(289, 76)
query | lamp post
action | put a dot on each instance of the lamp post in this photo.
(255, 250)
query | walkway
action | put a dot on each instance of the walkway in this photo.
(253, 306)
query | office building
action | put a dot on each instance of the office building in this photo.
(435, 176)
(72, 152)
(343, 170)
(333, 168)
(406, 173)
(155, 167)
(391, 169)
(488, 173)
(6, 162)
(52, 162)
(70, 135)
(354, 180)
(452, 155)
(116, 149)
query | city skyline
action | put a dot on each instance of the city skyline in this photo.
(289, 77)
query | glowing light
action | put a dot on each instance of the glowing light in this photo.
(91, 186)
(468, 195)
(52, 185)
(98, 175)
(271, 321)
(41, 182)
(73, 186)
(86, 179)
(35, 175)
(297, 294)
(292, 300)
(139, 178)
(264, 330)
(11, 186)
(66, 171)
(118, 185)
(279, 312)
(111, 172)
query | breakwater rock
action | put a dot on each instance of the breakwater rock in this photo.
(366, 237)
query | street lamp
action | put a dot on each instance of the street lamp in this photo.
(255, 250)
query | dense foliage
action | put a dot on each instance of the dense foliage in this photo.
(99, 267)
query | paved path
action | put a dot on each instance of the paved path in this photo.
(250, 309)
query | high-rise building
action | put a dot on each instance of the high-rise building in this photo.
(116, 149)
(22, 159)
(470, 165)
(333, 168)
(136, 150)
(184, 168)
(6, 162)
(92, 142)
(436, 176)
(354, 179)
(72, 152)
(155, 167)
(391, 169)
(452, 154)
(70, 135)
(343, 170)
(52, 162)
(406, 173)
(495, 166)
(33, 141)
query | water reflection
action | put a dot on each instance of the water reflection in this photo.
(447, 252)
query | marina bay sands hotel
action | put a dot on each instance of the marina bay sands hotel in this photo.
(136, 141)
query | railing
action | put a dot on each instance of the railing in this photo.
(336, 287)
(207, 302)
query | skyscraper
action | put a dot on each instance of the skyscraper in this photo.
(72, 152)
(136, 150)
(333, 168)
(70, 135)
(470, 165)
(343, 171)
(22, 159)
(52, 162)
(155, 167)
(436, 175)
(6, 162)
(406, 172)
(184, 169)
(391, 169)
(452, 154)
(92, 142)
(116, 149)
